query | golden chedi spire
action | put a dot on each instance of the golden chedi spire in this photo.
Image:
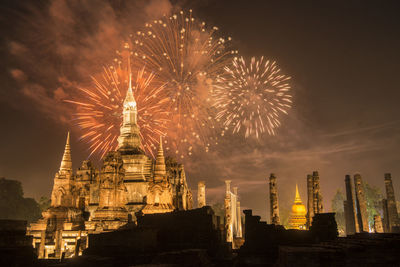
(297, 219)
(160, 170)
(297, 199)
(66, 162)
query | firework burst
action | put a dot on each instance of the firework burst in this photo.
(187, 57)
(99, 109)
(250, 97)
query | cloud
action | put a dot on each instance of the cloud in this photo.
(58, 46)
(157, 8)
(16, 48)
(333, 157)
(18, 75)
(51, 105)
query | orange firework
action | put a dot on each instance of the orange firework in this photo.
(187, 57)
(99, 108)
(249, 98)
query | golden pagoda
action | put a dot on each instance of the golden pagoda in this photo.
(297, 219)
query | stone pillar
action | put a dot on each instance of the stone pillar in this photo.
(235, 190)
(201, 194)
(78, 241)
(391, 203)
(350, 214)
(234, 199)
(346, 218)
(273, 200)
(362, 215)
(378, 224)
(227, 187)
(318, 206)
(310, 200)
(58, 243)
(42, 244)
(386, 219)
(239, 221)
(77, 246)
(228, 212)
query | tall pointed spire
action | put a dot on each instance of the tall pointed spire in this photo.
(129, 98)
(297, 199)
(129, 138)
(66, 162)
(160, 169)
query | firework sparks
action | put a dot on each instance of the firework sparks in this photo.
(187, 57)
(250, 97)
(99, 112)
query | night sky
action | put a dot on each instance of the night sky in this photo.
(343, 57)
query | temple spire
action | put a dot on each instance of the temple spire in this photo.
(160, 161)
(66, 162)
(129, 138)
(297, 199)
(129, 98)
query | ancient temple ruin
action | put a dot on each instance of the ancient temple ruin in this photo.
(356, 215)
(110, 213)
(159, 191)
(94, 200)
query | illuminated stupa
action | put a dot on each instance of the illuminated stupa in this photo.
(297, 219)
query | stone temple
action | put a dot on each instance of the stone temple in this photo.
(92, 200)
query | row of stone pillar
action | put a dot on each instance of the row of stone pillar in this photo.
(233, 222)
(355, 208)
(314, 198)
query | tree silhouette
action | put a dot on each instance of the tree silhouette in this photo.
(338, 208)
(13, 205)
